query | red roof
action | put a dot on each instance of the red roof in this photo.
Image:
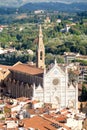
(42, 123)
(4, 67)
(38, 122)
(28, 69)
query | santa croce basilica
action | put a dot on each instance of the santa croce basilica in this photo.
(40, 83)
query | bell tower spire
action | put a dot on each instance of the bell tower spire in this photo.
(40, 51)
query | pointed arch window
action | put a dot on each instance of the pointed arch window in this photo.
(41, 55)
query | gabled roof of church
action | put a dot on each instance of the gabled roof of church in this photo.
(4, 67)
(61, 67)
(26, 68)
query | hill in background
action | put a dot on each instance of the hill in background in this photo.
(50, 6)
(18, 3)
(73, 7)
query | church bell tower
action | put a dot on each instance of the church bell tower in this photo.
(40, 51)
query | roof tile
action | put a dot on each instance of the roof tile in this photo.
(28, 69)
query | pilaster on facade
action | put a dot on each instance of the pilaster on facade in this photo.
(76, 96)
(44, 85)
(66, 85)
(34, 93)
(60, 97)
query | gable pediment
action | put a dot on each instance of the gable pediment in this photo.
(55, 71)
(71, 86)
(39, 88)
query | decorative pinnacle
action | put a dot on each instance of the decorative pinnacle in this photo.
(55, 61)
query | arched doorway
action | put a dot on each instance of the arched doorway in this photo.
(56, 102)
(71, 103)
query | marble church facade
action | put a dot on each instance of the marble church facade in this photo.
(56, 89)
(45, 85)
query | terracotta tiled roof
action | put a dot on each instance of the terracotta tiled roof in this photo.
(12, 129)
(82, 56)
(61, 124)
(22, 99)
(76, 72)
(1, 101)
(85, 67)
(31, 111)
(36, 111)
(4, 67)
(1, 126)
(61, 118)
(38, 122)
(42, 123)
(28, 69)
(57, 117)
(48, 116)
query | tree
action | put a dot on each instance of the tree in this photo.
(84, 93)
(72, 76)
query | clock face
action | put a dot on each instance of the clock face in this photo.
(55, 81)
